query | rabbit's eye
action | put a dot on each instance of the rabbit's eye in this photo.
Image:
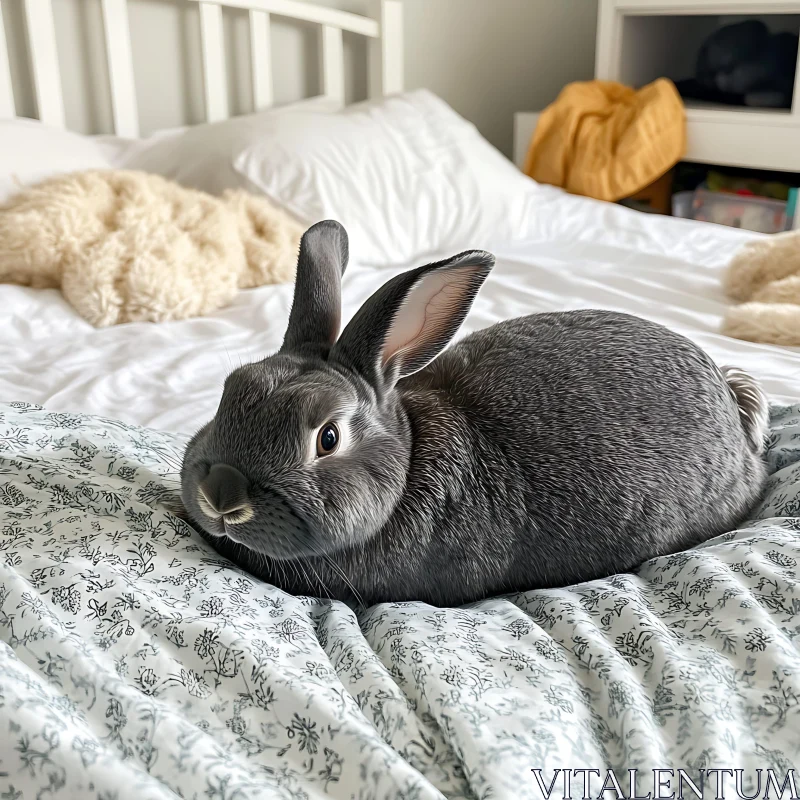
(327, 439)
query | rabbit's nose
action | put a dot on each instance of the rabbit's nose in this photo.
(224, 491)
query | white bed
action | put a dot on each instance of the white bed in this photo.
(584, 254)
(574, 252)
(134, 662)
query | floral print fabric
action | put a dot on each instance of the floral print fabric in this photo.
(137, 663)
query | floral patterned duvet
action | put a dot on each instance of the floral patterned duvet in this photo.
(136, 663)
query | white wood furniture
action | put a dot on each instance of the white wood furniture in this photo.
(383, 27)
(639, 40)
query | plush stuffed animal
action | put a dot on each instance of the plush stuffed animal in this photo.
(745, 64)
(765, 276)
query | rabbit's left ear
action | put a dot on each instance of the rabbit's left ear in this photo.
(316, 308)
(412, 318)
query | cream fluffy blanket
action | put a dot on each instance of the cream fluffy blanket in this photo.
(129, 246)
(765, 277)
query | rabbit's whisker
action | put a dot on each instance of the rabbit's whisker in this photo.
(338, 570)
(321, 582)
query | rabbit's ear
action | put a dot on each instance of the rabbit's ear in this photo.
(317, 307)
(412, 318)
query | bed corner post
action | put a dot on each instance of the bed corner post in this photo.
(386, 52)
(7, 108)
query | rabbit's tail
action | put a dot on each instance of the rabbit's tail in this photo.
(753, 405)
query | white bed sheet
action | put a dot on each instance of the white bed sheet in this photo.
(580, 254)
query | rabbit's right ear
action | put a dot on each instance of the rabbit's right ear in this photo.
(317, 306)
(411, 318)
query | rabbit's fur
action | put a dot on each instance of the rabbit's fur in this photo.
(541, 451)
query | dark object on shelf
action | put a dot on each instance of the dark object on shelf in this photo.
(744, 64)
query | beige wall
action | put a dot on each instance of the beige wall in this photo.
(487, 58)
(490, 58)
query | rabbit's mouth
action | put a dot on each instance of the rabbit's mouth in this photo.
(226, 526)
(273, 528)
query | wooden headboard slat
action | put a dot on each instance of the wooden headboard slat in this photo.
(261, 60)
(332, 63)
(7, 107)
(120, 68)
(214, 73)
(386, 65)
(41, 31)
(308, 12)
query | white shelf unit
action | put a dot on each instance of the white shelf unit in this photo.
(641, 40)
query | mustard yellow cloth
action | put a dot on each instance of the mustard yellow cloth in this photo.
(605, 140)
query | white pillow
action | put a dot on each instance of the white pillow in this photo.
(202, 156)
(406, 175)
(31, 152)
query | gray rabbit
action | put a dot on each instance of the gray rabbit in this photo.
(538, 452)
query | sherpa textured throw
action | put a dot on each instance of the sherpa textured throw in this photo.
(129, 246)
(765, 277)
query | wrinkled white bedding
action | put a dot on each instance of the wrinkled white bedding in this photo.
(580, 254)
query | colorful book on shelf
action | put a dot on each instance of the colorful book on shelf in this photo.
(792, 216)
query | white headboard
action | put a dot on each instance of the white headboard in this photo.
(383, 27)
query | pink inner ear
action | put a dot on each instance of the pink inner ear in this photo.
(426, 316)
